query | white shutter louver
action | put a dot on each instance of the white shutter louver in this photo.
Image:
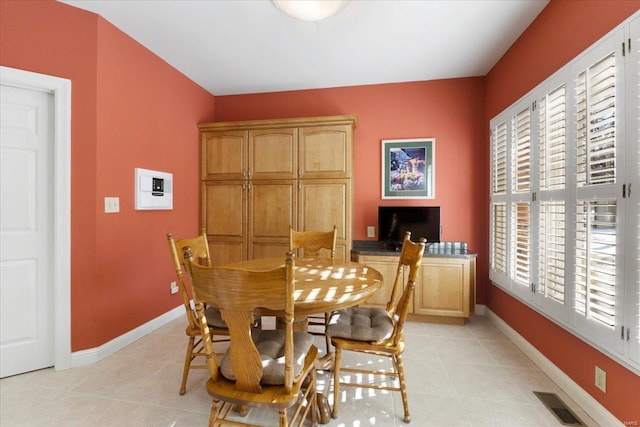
(521, 243)
(499, 238)
(595, 118)
(499, 159)
(552, 142)
(551, 257)
(522, 151)
(595, 277)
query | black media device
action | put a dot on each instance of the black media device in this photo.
(421, 221)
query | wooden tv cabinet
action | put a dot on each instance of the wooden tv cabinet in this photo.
(446, 285)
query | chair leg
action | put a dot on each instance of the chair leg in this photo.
(187, 365)
(403, 387)
(327, 340)
(336, 382)
(307, 406)
(213, 416)
(313, 399)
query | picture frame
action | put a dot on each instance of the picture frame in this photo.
(408, 168)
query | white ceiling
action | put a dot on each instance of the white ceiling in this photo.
(236, 46)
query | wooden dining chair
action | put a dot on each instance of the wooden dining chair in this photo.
(378, 331)
(261, 368)
(200, 250)
(315, 244)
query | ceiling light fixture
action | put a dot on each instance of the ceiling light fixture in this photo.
(309, 10)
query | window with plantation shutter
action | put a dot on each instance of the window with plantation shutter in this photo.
(598, 280)
(551, 262)
(565, 211)
(499, 221)
(519, 206)
(595, 119)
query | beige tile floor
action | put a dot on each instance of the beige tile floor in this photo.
(468, 375)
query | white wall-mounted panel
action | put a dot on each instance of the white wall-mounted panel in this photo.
(153, 190)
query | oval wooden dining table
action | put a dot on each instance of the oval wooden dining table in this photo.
(321, 285)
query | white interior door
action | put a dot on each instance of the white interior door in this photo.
(26, 230)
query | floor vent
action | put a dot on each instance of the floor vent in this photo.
(558, 408)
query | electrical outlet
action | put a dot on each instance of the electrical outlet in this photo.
(111, 204)
(174, 288)
(601, 379)
(371, 231)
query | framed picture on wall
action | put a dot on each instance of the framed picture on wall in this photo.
(408, 168)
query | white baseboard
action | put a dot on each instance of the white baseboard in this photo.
(591, 406)
(93, 355)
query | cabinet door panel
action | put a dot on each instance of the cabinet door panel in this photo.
(325, 152)
(224, 209)
(269, 250)
(444, 288)
(223, 155)
(325, 203)
(272, 209)
(273, 153)
(226, 252)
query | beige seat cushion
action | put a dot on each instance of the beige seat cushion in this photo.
(270, 345)
(361, 324)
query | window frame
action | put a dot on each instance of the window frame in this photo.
(610, 340)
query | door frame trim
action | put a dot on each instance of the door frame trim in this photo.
(60, 88)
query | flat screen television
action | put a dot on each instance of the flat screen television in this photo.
(421, 221)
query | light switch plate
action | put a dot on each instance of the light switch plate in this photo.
(111, 204)
(371, 231)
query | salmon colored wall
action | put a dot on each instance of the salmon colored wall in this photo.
(129, 109)
(451, 110)
(563, 30)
